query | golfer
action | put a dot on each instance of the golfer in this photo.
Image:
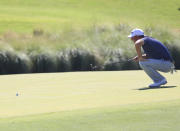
(156, 57)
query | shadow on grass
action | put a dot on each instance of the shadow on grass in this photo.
(161, 87)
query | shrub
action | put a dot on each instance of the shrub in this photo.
(82, 60)
(43, 62)
(25, 64)
(175, 52)
(13, 63)
(63, 63)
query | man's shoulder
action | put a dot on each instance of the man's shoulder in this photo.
(150, 40)
(147, 38)
(140, 41)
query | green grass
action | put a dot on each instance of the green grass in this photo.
(156, 117)
(99, 101)
(26, 15)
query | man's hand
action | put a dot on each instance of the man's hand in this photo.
(141, 59)
(135, 59)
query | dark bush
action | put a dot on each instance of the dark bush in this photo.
(3, 63)
(120, 65)
(63, 63)
(175, 52)
(12, 63)
(76, 59)
(130, 65)
(43, 63)
(82, 60)
(112, 67)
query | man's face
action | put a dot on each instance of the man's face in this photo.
(134, 39)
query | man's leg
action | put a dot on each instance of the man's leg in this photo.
(151, 66)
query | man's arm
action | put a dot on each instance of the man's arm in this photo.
(138, 46)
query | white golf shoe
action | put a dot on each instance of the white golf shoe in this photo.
(158, 84)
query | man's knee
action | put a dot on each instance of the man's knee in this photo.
(142, 64)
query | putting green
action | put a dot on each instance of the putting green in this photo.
(56, 92)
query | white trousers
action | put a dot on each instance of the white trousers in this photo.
(152, 66)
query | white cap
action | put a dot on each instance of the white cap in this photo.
(136, 32)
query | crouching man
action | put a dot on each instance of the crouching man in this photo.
(156, 57)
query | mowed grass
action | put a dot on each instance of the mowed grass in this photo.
(98, 101)
(27, 15)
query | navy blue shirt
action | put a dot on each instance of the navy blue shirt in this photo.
(155, 49)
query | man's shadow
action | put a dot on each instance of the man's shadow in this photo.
(161, 87)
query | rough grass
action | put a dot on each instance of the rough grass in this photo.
(76, 50)
(88, 101)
